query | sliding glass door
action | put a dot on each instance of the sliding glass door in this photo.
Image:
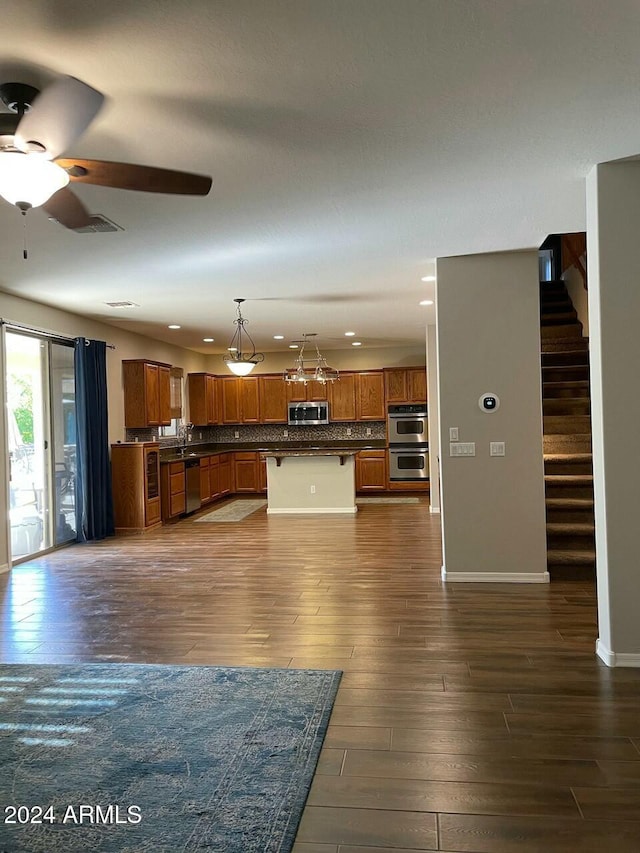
(41, 437)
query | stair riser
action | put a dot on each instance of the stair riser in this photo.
(573, 390)
(566, 424)
(554, 443)
(566, 331)
(571, 543)
(555, 468)
(579, 373)
(568, 357)
(571, 573)
(566, 406)
(554, 490)
(558, 318)
(549, 345)
(570, 516)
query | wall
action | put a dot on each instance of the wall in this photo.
(434, 418)
(613, 222)
(579, 296)
(493, 510)
(352, 358)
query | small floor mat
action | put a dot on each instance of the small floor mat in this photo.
(235, 511)
(389, 500)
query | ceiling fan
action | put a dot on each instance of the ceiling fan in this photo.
(43, 125)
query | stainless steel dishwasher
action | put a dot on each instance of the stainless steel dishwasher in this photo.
(192, 470)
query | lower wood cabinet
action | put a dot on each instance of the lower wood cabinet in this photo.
(225, 473)
(205, 479)
(173, 489)
(135, 475)
(371, 471)
(247, 477)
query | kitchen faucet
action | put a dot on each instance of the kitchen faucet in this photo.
(184, 431)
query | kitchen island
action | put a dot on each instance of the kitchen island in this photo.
(311, 481)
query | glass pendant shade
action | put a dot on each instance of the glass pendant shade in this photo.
(239, 362)
(29, 179)
(321, 373)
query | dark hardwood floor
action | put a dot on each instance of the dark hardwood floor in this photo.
(470, 718)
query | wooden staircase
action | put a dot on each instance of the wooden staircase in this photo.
(566, 408)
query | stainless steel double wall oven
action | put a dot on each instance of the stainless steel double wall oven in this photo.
(408, 433)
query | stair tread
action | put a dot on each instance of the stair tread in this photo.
(572, 557)
(568, 458)
(568, 479)
(571, 527)
(569, 503)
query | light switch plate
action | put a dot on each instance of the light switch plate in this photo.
(496, 448)
(453, 434)
(462, 448)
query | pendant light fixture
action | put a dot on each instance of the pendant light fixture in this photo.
(238, 361)
(318, 369)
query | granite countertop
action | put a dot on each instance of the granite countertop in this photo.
(319, 451)
(198, 451)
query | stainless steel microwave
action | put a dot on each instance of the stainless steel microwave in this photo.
(308, 413)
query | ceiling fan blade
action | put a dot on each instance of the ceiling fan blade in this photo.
(67, 209)
(128, 176)
(58, 116)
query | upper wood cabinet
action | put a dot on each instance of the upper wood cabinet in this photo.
(370, 405)
(147, 393)
(273, 399)
(249, 393)
(229, 400)
(203, 399)
(342, 398)
(175, 391)
(405, 385)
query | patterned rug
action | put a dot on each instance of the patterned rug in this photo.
(234, 511)
(389, 500)
(118, 758)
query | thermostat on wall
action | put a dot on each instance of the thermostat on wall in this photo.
(489, 402)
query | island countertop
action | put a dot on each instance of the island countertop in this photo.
(279, 455)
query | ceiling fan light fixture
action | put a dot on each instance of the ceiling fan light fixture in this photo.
(28, 180)
(238, 361)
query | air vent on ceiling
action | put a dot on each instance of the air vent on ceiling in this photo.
(124, 304)
(98, 224)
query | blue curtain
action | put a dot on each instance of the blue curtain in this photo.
(94, 500)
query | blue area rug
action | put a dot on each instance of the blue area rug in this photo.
(133, 758)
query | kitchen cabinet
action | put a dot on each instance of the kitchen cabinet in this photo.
(312, 392)
(342, 398)
(225, 473)
(249, 392)
(214, 477)
(371, 471)
(203, 398)
(205, 479)
(175, 392)
(247, 475)
(135, 475)
(147, 393)
(229, 400)
(370, 405)
(262, 463)
(173, 490)
(239, 400)
(273, 399)
(405, 385)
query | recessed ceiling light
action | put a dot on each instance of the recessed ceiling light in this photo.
(428, 278)
(356, 344)
(293, 346)
(208, 340)
(278, 337)
(349, 334)
(427, 302)
(173, 326)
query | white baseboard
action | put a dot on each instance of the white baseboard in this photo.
(494, 577)
(4, 567)
(434, 509)
(349, 510)
(616, 658)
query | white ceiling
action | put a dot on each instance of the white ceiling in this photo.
(350, 143)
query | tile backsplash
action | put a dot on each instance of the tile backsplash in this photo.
(226, 434)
